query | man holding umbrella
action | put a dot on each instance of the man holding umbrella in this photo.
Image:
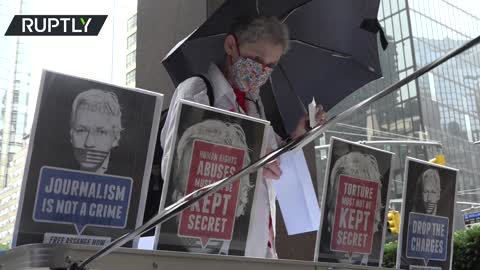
(253, 47)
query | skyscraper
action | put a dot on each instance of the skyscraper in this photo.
(131, 50)
(15, 86)
(10, 195)
(442, 105)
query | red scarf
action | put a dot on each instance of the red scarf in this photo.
(241, 98)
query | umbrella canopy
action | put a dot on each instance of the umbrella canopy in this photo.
(333, 50)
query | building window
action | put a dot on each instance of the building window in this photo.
(131, 59)
(131, 77)
(431, 83)
(468, 125)
(131, 40)
(16, 94)
(132, 22)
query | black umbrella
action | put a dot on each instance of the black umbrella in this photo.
(333, 50)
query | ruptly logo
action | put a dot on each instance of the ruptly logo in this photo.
(56, 25)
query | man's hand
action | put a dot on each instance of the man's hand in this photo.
(272, 170)
(303, 124)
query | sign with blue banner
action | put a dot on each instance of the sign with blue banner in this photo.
(82, 199)
(427, 237)
(428, 214)
(89, 162)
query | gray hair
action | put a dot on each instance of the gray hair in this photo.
(430, 175)
(251, 30)
(215, 131)
(102, 101)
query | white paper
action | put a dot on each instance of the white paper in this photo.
(312, 111)
(146, 242)
(296, 195)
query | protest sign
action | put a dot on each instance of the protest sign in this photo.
(213, 217)
(353, 207)
(89, 162)
(81, 199)
(425, 238)
(209, 145)
(354, 217)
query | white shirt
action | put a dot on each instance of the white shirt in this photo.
(194, 89)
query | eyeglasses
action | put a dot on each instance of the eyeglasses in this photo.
(261, 61)
(95, 132)
(257, 59)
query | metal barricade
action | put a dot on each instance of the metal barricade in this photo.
(41, 256)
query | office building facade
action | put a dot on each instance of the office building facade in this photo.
(15, 86)
(443, 105)
(131, 57)
(10, 195)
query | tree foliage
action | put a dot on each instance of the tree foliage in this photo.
(466, 250)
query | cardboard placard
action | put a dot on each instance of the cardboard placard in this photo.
(89, 162)
(353, 204)
(427, 216)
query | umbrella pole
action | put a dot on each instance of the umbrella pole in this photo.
(193, 197)
(290, 87)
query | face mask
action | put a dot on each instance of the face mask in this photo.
(90, 159)
(431, 207)
(249, 74)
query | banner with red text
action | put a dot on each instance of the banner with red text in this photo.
(210, 145)
(213, 217)
(354, 199)
(354, 215)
